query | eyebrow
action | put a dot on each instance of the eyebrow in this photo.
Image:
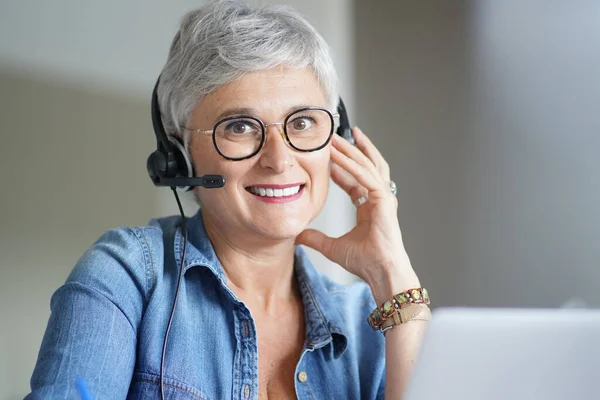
(252, 112)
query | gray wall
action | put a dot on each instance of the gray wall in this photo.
(532, 178)
(488, 114)
(412, 91)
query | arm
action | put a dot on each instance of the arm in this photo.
(93, 323)
(402, 343)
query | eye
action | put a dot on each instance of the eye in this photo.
(303, 123)
(241, 127)
(238, 128)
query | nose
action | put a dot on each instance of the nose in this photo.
(276, 154)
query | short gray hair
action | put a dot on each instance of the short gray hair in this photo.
(224, 40)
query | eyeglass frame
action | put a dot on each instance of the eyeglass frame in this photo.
(264, 131)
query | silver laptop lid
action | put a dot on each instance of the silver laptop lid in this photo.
(499, 354)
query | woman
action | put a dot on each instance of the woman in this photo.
(250, 93)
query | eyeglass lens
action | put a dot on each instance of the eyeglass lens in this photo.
(241, 137)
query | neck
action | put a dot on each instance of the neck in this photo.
(258, 270)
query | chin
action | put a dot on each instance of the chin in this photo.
(280, 229)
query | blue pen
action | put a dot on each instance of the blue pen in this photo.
(84, 390)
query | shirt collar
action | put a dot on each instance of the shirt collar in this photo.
(324, 321)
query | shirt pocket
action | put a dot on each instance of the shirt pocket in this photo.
(147, 386)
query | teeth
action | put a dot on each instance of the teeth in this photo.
(268, 192)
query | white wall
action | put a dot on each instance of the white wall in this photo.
(111, 44)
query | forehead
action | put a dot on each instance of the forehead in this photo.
(268, 91)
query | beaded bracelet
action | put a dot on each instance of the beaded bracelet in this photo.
(392, 306)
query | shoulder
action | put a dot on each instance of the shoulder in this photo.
(124, 256)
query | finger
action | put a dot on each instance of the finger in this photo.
(370, 150)
(354, 153)
(365, 177)
(348, 184)
(319, 241)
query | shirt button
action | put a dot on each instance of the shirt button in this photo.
(302, 377)
(246, 391)
(245, 328)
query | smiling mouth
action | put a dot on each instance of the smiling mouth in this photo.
(273, 192)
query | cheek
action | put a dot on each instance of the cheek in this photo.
(320, 172)
(207, 161)
(203, 159)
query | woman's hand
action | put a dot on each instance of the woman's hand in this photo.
(373, 249)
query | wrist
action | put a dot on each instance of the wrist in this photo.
(385, 290)
(386, 282)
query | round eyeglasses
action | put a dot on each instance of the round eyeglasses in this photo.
(240, 137)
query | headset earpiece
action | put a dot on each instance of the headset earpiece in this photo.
(170, 159)
(345, 129)
(156, 165)
(183, 164)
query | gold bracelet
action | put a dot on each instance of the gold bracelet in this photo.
(391, 307)
(414, 312)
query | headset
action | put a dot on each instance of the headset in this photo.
(170, 165)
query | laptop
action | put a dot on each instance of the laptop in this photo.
(500, 354)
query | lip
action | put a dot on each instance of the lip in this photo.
(279, 200)
(287, 185)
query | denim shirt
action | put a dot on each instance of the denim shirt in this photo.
(108, 323)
